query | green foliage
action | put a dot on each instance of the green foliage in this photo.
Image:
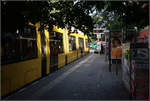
(110, 14)
(125, 14)
(53, 12)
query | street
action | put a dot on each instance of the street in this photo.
(75, 50)
(85, 79)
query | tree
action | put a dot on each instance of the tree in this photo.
(120, 14)
(110, 14)
(53, 12)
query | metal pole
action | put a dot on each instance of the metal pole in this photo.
(66, 44)
(105, 46)
(98, 47)
(110, 51)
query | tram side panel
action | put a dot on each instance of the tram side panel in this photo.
(84, 51)
(26, 69)
(61, 60)
(62, 56)
(72, 55)
(62, 47)
(47, 41)
(77, 45)
(81, 45)
(86, 45)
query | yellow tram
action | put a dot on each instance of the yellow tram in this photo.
(29, 54)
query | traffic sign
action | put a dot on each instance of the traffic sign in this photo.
(98, 35)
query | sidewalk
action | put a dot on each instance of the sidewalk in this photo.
(85, 79)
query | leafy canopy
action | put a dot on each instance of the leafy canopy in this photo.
(76, 13)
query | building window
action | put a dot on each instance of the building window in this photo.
(72, 43)
(19, 45)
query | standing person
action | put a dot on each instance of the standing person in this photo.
(102, 49)
(98, 47)
(119, 48)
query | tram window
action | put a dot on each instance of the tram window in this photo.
(28, 49)
(16, 45)
(60, 42)
(29, 32)
(28, 43)
(9, 48)
(56, 43)
(72, 43)
(81, 43)
(86, 43)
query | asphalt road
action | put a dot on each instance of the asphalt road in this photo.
(85, 79)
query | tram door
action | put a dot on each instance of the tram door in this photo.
(53, 52)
